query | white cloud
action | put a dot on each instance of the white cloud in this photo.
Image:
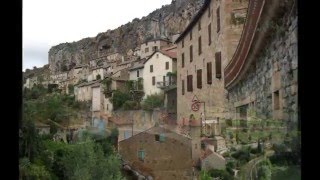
(50, 22)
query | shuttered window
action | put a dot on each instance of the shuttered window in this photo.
(218, 64)
(182, 57)
(199, 48)
(209, 33)
(182, 89)
(218, 19)
(151, 68)
(141, 155)
(189, 83)
(153, 80)
(199, 78)
(182, 43)
(209, 73)
(191, 53)
(190, 34)
(167, 65)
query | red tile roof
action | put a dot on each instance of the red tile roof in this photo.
(168, 53)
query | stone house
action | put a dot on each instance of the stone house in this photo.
(203, 49)
(159, 153)
(210, 159)
(83, 91)
(156, 69)
(42, 129)
(30, 82)
(149, 47)
(261, 77)
(56, 78)
(97, 71)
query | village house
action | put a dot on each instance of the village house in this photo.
(114, 56)
(56, 78)
(41, 128)
(159, 153)
(203, 49)
(156, 72)
(136, 52)
(96, 72)
(149, 47)
(30, 82)
(210, 159)
(83, 91)
(261, 77)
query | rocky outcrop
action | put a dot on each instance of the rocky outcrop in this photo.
(175, 17)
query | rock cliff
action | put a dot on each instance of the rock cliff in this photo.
(175, 17)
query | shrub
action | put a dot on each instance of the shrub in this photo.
(131, 105)
(153, 101)
(220, 173)
(119, 98)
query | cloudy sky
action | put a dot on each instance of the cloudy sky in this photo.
(47, 23)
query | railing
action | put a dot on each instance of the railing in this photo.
(235, 66)
(163, 84)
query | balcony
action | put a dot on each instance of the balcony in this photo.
(166, 84)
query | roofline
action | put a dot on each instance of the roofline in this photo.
(194, 20)
(156, 52)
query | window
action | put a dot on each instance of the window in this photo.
(157, 56)
(154, 48)
(167, 65)
(146, 50)
(182, 57)
(189, 83)
(151, 68)
(182, 43)
(209, 73)
(199, 48)
(164, 80)
(182, 87)
(199, 25)
(190, 34)
(199, 78)
(141, 155)
(191, 53)
(218, 64)
(209, 11)
(157, 137)
(209, 33)
(153, 80)
(138, 73)
(218, 19)
(276, 100)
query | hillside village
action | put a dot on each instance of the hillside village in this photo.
(183, 103)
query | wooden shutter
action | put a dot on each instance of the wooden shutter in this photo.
(218, 19)
(137, 73)
(209, 72)
(190, 34)
(182, 87)
(151, 68)
(209, 33)
(189, 83)
(182, 59)
(191, 53)
(167, 65)
(182, 42)
(199, 78)
(164, 80)
(218, 64)
(153, 80)
(199, 48)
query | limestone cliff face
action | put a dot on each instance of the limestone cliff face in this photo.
(175, 16)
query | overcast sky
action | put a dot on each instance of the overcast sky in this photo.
(47, 23)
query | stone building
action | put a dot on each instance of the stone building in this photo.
(262, 76)
(83, 91)
(204, 48)
(149, 47)
(156, 69)
(159, 153)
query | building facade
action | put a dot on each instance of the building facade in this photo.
(155, 73)
(203, 49)
(149, 47)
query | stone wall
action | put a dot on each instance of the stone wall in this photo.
(169, 159)
(273, 77)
